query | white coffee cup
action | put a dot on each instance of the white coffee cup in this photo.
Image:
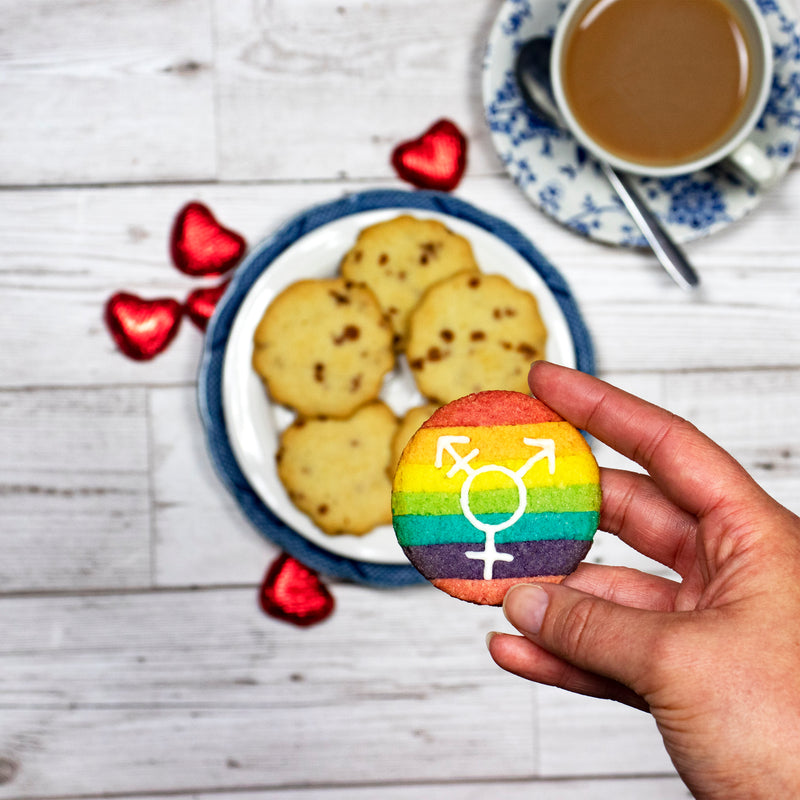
(735, 146)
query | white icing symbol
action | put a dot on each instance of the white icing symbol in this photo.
(489, 555)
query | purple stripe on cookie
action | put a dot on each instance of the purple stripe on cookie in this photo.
(548, 557)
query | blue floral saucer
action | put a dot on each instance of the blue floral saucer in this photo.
(558, 177)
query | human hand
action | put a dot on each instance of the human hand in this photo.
(715, 658)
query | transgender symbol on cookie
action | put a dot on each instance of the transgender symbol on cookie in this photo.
(489, 555)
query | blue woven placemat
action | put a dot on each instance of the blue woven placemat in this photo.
(210, 377)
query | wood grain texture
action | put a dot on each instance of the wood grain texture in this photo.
(368, 75)
(201, 536)
(74, 490)
(177, 690)
(624, 740)
(619, 789)
(97, 93)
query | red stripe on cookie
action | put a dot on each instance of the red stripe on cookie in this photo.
(485, 409)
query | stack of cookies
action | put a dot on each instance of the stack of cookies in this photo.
(408, 288)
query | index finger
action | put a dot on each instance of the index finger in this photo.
(690, 469)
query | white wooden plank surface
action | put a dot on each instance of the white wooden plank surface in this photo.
(103, 92)
(74, 498)
(201, 537)
(624, 741)
(369, 75)
(596, 789)
(175, 690)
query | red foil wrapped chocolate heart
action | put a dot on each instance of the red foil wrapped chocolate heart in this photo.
(200, 303)
(200, 245)
(294, 593)
(142, 328)
(435, 160)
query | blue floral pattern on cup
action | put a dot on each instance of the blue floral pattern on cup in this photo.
(557, 175)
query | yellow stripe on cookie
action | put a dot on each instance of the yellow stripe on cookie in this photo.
(570, 470)
(498, 444)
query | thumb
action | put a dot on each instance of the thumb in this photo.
(593, 634)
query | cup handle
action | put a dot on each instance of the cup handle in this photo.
(751, 162)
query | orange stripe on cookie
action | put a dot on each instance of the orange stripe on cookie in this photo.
(488, 593)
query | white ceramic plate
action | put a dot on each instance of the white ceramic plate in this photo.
(254, 423)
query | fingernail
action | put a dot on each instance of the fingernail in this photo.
(489, 637)
(535, 364)
(524, 607)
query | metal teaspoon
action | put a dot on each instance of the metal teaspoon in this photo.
(533, 78)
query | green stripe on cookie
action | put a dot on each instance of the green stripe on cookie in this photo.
(585, 497)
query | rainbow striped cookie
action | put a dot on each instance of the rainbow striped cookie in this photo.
(495, 489)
